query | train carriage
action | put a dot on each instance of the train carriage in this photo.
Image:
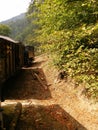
(11, 57)
(29, 55)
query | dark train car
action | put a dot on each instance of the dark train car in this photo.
(28, 55)
(11, 57)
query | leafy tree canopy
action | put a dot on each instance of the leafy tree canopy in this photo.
(5, 30)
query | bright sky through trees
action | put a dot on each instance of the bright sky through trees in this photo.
(11, 8)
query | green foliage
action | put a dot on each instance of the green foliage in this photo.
(70, 29)
(4, 30)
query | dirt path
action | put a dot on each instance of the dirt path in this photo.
(47, 103)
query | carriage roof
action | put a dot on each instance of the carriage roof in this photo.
(8, 39)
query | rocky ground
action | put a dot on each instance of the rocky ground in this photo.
(48, 103)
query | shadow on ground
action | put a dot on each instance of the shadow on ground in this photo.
(30, 83)
(51, 117)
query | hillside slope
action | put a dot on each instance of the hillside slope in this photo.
(21, 16)
(17, 25)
